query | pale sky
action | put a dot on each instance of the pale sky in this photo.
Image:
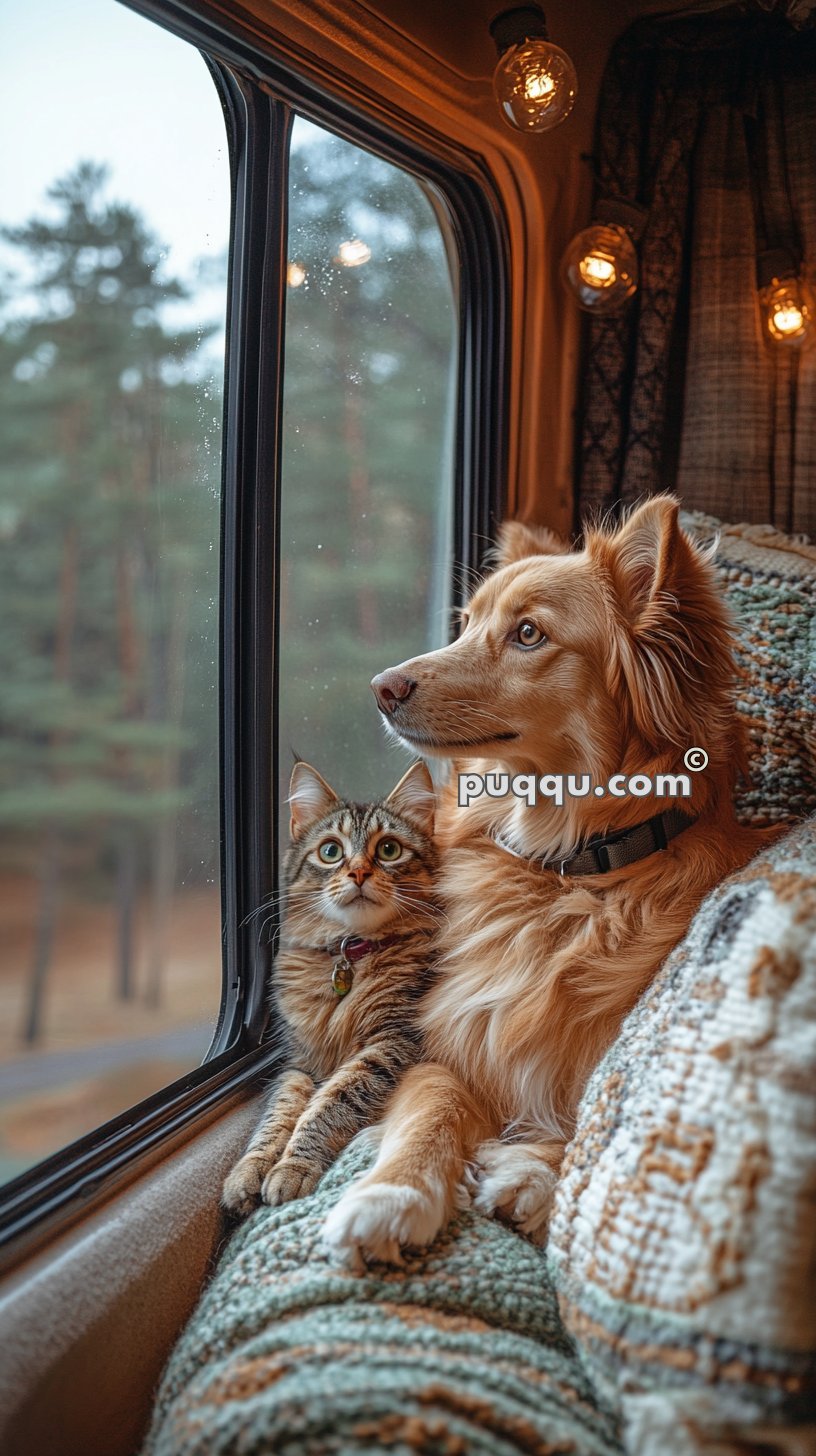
(92, 79)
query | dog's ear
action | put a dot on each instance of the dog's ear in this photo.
(672, 648)
(309, 797)
(414, 797)
(643, 553)
(517, 541)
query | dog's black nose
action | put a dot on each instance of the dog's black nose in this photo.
(390, 689)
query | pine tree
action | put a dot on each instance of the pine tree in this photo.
(105, 505)
(368, 392)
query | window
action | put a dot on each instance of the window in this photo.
(139, 780)
(368, 452)
(113, 257)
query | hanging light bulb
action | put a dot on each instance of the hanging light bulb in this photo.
(786, 301)
(600, 265)
(353, 253)
(535, 81)
(295, 275)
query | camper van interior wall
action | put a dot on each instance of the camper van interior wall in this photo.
(535, 81)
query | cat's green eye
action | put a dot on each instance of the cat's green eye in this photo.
(389, 851)
(330, 851)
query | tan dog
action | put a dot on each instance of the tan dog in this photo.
(615, 658)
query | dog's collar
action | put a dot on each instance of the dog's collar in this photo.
(613, 851)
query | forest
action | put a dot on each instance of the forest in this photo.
(110, 476)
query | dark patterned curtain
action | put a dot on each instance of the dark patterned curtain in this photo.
(710, 123)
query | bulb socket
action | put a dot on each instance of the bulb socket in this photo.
(619, 212)
(522, 22)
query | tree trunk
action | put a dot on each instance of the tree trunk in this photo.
(50, 865)
(359, 495)
(125, 900)
(44, 937)
(166, 839)
(127, 868)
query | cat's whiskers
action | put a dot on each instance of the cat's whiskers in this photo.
(273, 902)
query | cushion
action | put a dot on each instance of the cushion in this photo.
(683, 1238)
(770, 582)
(462, 1352)
(673, 1311)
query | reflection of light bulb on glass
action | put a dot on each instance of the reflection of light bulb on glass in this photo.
(352, 253)
(535, 81)
(295, 275)
(600, 267)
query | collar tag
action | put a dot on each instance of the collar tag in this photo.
(342, 977)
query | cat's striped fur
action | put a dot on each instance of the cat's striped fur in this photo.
(345, 1053)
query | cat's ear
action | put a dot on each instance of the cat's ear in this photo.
(309, 796)
(414, 798)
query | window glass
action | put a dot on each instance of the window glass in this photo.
(114, 210)
(371, 352)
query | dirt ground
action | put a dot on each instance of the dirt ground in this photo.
(82, 1013)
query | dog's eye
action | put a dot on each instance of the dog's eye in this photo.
(389, 851)
(529, 635)
(330, 851)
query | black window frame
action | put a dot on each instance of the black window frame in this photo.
(260, 94)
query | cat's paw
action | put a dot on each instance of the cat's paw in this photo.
(510, 1180)
(376, 1221)
(242, 1187)
(290, 1178)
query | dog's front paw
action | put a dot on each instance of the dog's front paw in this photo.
(376, 1221)
(242, 1187)
(290, 1178)
(511, 1180)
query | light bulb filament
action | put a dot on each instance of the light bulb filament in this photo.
(597, 270)
(788, 319)
(538, 84)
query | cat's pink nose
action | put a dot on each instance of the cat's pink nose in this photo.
(391, 688)
(359, 873)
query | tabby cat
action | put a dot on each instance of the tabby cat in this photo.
(355, 956)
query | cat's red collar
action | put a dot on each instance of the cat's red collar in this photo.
(354, 947)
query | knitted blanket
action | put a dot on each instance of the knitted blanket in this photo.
(770, 583)
(462, 1351)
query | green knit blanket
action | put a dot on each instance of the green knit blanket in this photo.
(461, 1352)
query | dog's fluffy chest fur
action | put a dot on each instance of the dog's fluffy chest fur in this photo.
(537, 973)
